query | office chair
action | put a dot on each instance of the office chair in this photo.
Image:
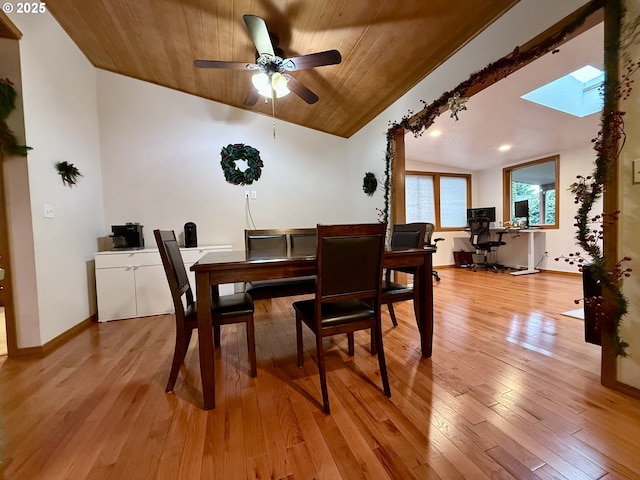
(482, 241)
(432, 242)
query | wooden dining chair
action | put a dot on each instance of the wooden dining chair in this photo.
(407, 235)
(349, 273)
(279, 243)
(225, 309)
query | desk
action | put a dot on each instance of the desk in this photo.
(217, 268)
(531, 260)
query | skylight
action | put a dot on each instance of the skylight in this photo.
(577, 93)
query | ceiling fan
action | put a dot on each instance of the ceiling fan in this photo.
(271, 65)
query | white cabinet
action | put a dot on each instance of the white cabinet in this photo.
(133, 283)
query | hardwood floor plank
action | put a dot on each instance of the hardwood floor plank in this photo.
(512, 391)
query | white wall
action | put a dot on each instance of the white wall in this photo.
(629, 368)
(161, 165)
(61, 124)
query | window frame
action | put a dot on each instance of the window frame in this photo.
(436, 194)
(507, 204)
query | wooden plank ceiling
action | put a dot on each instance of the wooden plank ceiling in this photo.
(387, 46)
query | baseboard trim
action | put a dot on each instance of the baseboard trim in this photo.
(56, 342)
(627, 389)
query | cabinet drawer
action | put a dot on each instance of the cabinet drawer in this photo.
(192, 255)
(128, 259)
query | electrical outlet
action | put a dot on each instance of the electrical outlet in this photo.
(246, 194)
(254, 194)
(546, 254)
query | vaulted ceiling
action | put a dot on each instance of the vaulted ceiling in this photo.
(387, 46)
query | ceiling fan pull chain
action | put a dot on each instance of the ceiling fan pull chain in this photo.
(273, 114)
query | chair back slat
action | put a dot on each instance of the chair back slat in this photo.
(408, 235)
(303, 241)
(280, 241)
(349, 261)
(174, 269)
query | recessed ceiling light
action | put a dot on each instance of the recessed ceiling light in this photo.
(504, 148)
(435, 133)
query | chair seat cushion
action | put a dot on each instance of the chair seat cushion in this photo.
(282, 287)
(235, 304)
(334, 314)
(396, 292)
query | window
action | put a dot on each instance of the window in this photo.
(441, 199)
(535, 182)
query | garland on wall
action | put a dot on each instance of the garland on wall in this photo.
(612, 305)
(8, 142)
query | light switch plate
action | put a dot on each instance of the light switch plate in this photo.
(636, 171)
(48, 210)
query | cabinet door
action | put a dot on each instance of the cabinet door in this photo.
(153, 296)
(115, 293)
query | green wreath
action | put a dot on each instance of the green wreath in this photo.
(232, 173)
(369, 184)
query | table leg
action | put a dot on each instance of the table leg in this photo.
(531, 260)
(425, 306)
(205, 340)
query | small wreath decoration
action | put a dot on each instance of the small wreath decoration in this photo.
(69, 173)
(238, 151)
(369, 184)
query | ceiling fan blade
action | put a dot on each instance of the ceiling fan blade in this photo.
(259, 34)
(299, 89)
(252, 98)
(222, 64)
(330, 57)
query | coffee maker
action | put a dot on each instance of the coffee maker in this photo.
(127, 237)
(190, 235)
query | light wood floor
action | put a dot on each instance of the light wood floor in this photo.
(512, 391)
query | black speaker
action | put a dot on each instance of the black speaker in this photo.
(190, 235)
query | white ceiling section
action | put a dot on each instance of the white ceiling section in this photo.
(497, 116)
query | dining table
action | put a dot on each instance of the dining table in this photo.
(217, 268)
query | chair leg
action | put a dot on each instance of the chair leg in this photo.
(392, 314)
(299, 342)
(381, 361)
(323, 374)
(216, 334)
(179, 352)
(251, 345)
(351, 342)
(373, 347)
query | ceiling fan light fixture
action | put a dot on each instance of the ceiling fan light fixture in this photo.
(279, 84)
(266, 86)
(261, 81)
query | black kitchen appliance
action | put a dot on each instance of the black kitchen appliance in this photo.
(127, 237)
(190, 235)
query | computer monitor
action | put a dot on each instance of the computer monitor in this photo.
(521, 210)
(489, 212)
